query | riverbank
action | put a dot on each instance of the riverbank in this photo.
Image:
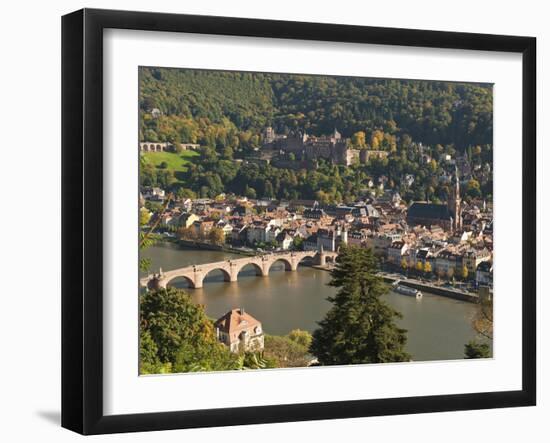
(433, 289)
(421, 286)
(212, 247)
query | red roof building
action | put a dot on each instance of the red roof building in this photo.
(239, 331)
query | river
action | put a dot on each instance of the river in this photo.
(438, 327)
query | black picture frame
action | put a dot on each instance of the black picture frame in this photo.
(82, 230)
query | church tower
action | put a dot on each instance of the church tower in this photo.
(454, 202)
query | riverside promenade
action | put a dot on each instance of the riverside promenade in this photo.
(457, 294)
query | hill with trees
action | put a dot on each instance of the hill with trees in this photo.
(430, 112)
(226, 112)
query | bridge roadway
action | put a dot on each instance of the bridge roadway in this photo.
(196, 274)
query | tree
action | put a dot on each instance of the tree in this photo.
(227, 153)
(285, 353)
(217, 236)
(148, 237)
(180, 332)
(183, 193)
(250, 192)
(404, 264)
(358, 139)
(360, 327)
(144, 216)
(474, 349)
(151, 136)
(303, 338)
(189, 233)
(427, 267)
(204, 354)
(483, 319)
(376, 139)
(473, 188)
(298, 243)
(149, 362)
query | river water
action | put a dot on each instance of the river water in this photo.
(438, 327)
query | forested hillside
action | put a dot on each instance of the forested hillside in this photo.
(226, 112)
(212, 107)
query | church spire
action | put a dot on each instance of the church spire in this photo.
(457, 183)
(454, 202)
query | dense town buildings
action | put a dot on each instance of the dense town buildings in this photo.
(457, 246)
(444, 240)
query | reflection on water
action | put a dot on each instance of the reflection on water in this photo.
(438, 326)
(283, 301)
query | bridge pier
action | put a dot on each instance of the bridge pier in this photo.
(233, 271)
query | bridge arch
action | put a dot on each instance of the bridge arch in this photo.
(251, 265)
(285, 261)
(308, 259)
(330, 259)
(226, 274)
(190, 281)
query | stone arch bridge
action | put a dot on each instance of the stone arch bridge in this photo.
(196, 274)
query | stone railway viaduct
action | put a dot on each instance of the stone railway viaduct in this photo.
(196, 274)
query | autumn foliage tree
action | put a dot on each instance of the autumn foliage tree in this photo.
(358, 140)
(188, 233)
(427, 267)
(216, 236)
(483, 319)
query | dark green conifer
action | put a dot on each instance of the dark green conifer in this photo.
(360, 327)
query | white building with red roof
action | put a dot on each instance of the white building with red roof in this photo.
(238, 330)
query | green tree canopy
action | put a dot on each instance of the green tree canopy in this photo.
(473, 349)
(285, 352)
(303, 338)
(360, 327)
(179, 332)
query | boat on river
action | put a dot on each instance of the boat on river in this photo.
(405, 290)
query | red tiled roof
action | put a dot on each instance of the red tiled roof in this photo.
(236, 321)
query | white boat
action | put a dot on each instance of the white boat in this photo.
(405, 290)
